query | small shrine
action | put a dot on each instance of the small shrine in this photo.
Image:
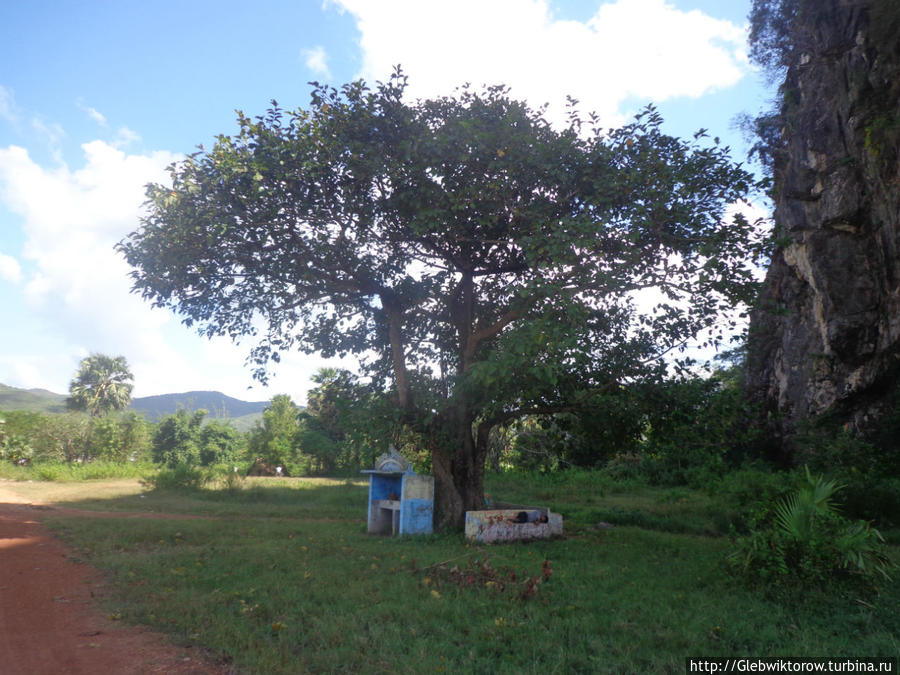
(400, 501)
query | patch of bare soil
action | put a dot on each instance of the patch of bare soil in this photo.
(49, 623)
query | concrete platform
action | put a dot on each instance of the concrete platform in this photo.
(500, 525)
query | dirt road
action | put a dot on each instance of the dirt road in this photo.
(49, 621)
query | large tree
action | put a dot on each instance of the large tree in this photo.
(483, 263)
(101, 384)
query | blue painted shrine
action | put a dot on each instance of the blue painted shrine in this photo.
(400, 501)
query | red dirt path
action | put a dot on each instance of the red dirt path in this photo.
(49, 624)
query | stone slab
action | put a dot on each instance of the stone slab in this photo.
(501, 525)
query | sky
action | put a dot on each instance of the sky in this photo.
(97, 97)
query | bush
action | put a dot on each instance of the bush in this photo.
(179, 477)
(274, 439)
(867, 471)
(119, 438)
(875, 498)
(625, 467)
(741, 493)
(220, 443)
(185, 438)
(15, 448)
(802, 540)
(39, 438)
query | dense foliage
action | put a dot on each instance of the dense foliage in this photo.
(32, 437)
(274, 440)
(190, 439)
(782, 30)
(345, 423)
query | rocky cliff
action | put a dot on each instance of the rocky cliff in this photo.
(826, 337)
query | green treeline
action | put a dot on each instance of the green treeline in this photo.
(344, 426)
(692, 432)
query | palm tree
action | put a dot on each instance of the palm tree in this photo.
(102, 384)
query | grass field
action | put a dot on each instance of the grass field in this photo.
(281, 577)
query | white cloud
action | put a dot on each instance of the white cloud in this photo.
(28, 373)
(8, 106)
(50, 133)
(316, 59)
(72, 219)
(630, 48)
(125, 137)
(667, 52)
(10, 270)
(79, 289)
(92, 113)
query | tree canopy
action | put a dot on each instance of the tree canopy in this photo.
(481, 262)
(101, 384)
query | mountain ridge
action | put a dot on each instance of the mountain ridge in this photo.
(153, 407)
(218, 404)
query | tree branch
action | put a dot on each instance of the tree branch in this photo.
(487, 332)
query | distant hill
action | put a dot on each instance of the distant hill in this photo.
(218, 404)
(33, 400)
(242, 413)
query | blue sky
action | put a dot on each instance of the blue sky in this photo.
(98, 96)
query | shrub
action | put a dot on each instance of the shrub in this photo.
(120, 438)
(740, 494)
(875, 498)
(625, 467)
(274, 439)
(802, 539)
(42, 437)
(220, 443)
(180, 477)
(866, 470)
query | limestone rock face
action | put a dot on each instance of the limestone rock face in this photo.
(827, 333)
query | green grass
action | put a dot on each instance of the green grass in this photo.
(586, 498)
(282, 578)
(75, 471)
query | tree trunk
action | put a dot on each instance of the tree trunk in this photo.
(458, 473)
